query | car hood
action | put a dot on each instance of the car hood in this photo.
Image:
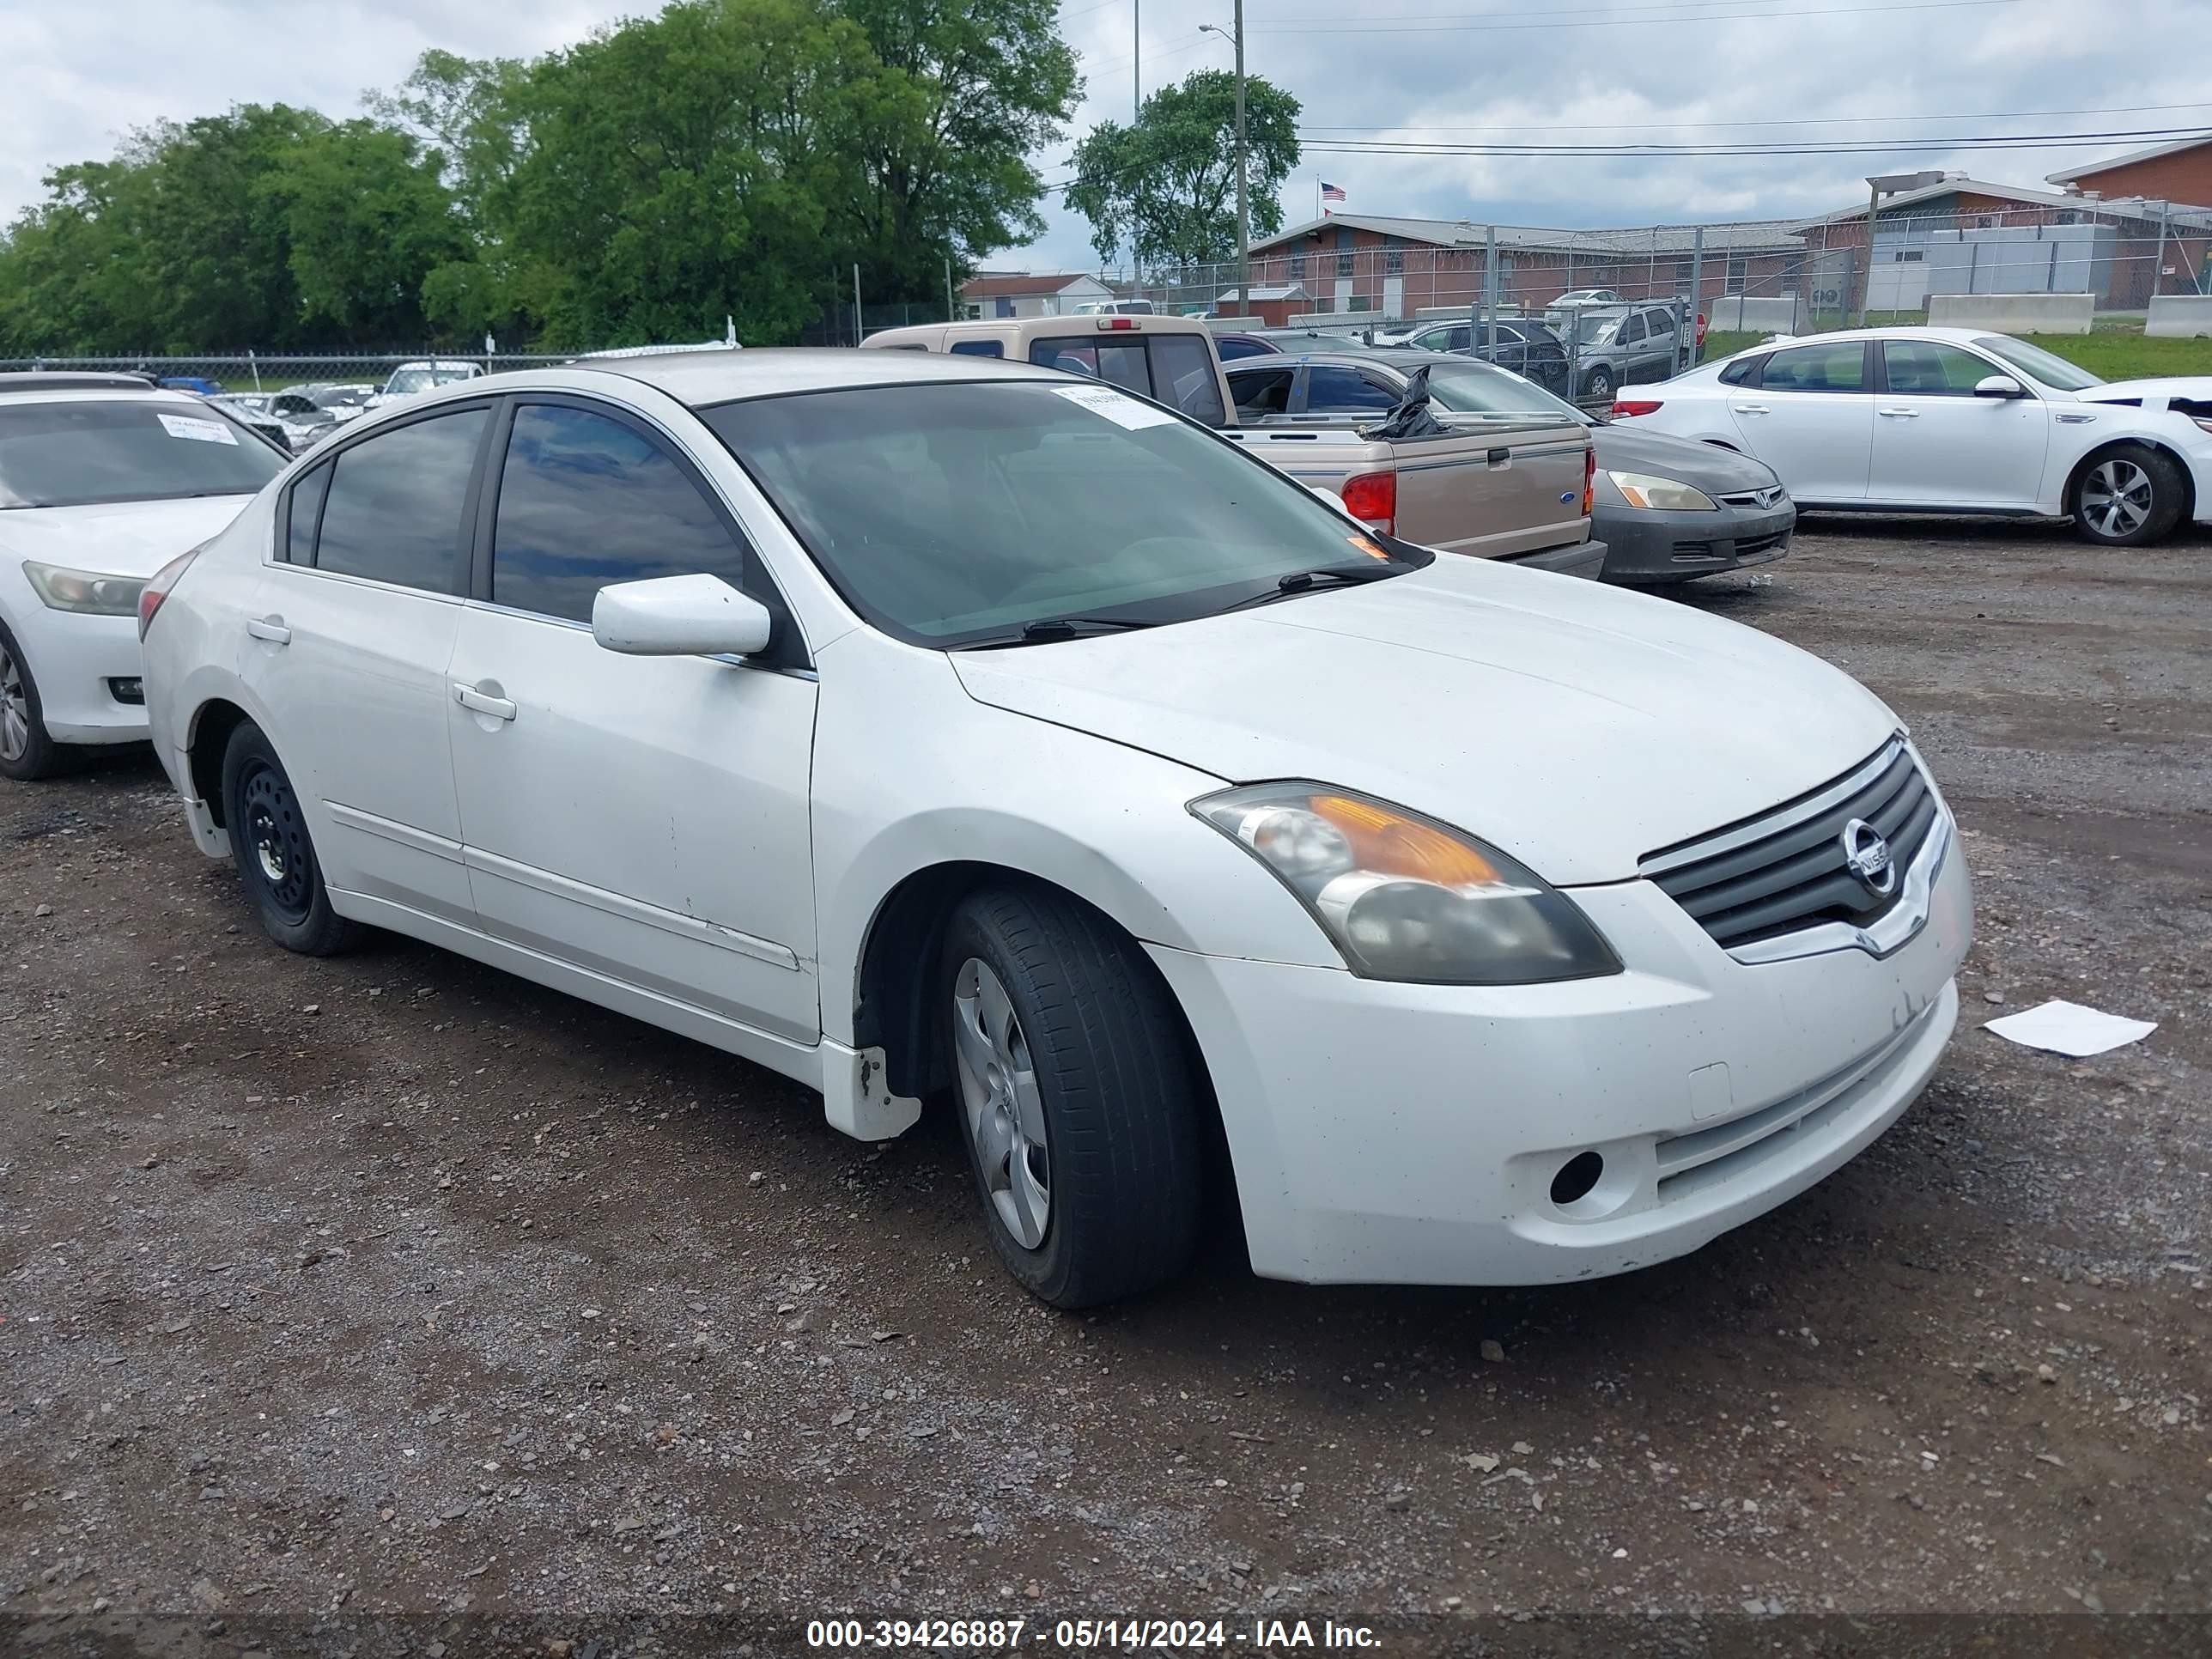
(1711, 468)
(2196, 388)
(121, 538)
(1575, 726)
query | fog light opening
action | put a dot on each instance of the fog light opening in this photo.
(1576, 1177)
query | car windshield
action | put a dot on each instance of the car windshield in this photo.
(422, 380)
(1597, 330)
(1462, 386)
(952, 514)
(79, 454)
(2049, 367)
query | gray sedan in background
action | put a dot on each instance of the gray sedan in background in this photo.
(1667, 509)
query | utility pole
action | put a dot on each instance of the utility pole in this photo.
(1136, 114)
(1243, 220)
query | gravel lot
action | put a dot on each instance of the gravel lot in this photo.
(390, 1285)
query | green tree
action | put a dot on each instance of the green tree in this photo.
(367, 218)
(1164, 187)
(964, 92)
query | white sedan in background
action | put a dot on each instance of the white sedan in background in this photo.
(1951, 420)
(103, 480)
(926, 726)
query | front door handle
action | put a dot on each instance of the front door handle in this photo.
(500, 708)
(1749, 409)
(270, 629)
(1899, 414)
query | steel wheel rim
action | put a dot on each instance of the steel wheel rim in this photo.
(14, 709)
(2115, 498)
(999, 1092)
(277, 842)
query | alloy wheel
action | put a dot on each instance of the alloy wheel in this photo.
(14, 709)
(282, 860)
(999, 1092)
(2116, 497)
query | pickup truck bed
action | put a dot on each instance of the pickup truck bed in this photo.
(1490, 486)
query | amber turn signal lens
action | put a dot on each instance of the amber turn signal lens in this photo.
(1384, 841)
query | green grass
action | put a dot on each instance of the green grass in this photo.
(2110, 353)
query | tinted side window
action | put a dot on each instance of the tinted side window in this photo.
(978, 348)
(1661, 322)
(584, 500)
(1332, 390)
(1840, 367)
(1632, 329)
(1232, 348)
(1263, 391)
(1183, 376)
(1928, 368)
(395, 502)
(306, 505)
(1739, 371)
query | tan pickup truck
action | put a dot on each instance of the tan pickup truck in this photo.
(1488, 485)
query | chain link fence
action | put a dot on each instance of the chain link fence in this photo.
(250, 372)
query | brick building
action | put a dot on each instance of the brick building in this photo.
(2179, 172)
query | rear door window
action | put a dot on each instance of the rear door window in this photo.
(1838, 367)
(1262, 392)
(1332, 389)
(978, 348)
(394, 510)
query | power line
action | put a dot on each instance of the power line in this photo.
(1383, 26)
(1843, 147)
(1806, 121)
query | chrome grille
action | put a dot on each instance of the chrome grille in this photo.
(1786, 870)
(1770, 495)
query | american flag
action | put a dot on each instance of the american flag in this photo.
(1331, 192)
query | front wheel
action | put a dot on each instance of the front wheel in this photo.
(2128, 496)
(1598, 388)
(1079, 1097)
(26, 752)
(275, 856)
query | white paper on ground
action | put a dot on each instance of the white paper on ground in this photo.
(2068, 1027)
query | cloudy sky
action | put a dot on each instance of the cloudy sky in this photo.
(1916, 72)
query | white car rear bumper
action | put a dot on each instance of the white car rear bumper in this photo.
(1406, 1133)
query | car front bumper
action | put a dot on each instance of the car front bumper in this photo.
(1587, 558)
(1412, 1134)
(1647, 546)
(88, 670)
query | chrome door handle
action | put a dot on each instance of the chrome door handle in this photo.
(500, 708)
(1899, 414)
(270, 629)
(1750, 409)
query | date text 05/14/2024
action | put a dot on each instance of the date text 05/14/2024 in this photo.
(1006, 1635)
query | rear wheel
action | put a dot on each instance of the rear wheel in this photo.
(275, 856)
(26, 752)
(1078, 1098)
(2128, 496)
(1597, 387)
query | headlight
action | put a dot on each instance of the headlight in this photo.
(85, 591)
(1661, 494)
(1406, 898)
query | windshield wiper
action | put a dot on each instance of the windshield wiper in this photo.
(1058, 627)
(1344, 576)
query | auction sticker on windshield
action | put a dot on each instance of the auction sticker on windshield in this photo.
(1123, 412)
(199, 431)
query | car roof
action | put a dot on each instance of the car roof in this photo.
(722, 376)
(1901, 331)
(45, 380)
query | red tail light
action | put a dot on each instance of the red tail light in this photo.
(1625, 406)
(1590, 480)
(1372, 498)
(1701, 328)
(1117, 322)
(157, 588)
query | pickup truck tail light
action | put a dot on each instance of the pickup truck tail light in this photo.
(1590, 480)
(158, 585)
(1372, 498)
(1625, 406)
(1701, 328)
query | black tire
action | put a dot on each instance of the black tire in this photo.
(39, 755)
(2128, 496)
(1598, 385)
(1119, 1090)
(276, 858)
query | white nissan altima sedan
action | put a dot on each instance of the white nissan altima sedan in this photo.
(927, 727)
